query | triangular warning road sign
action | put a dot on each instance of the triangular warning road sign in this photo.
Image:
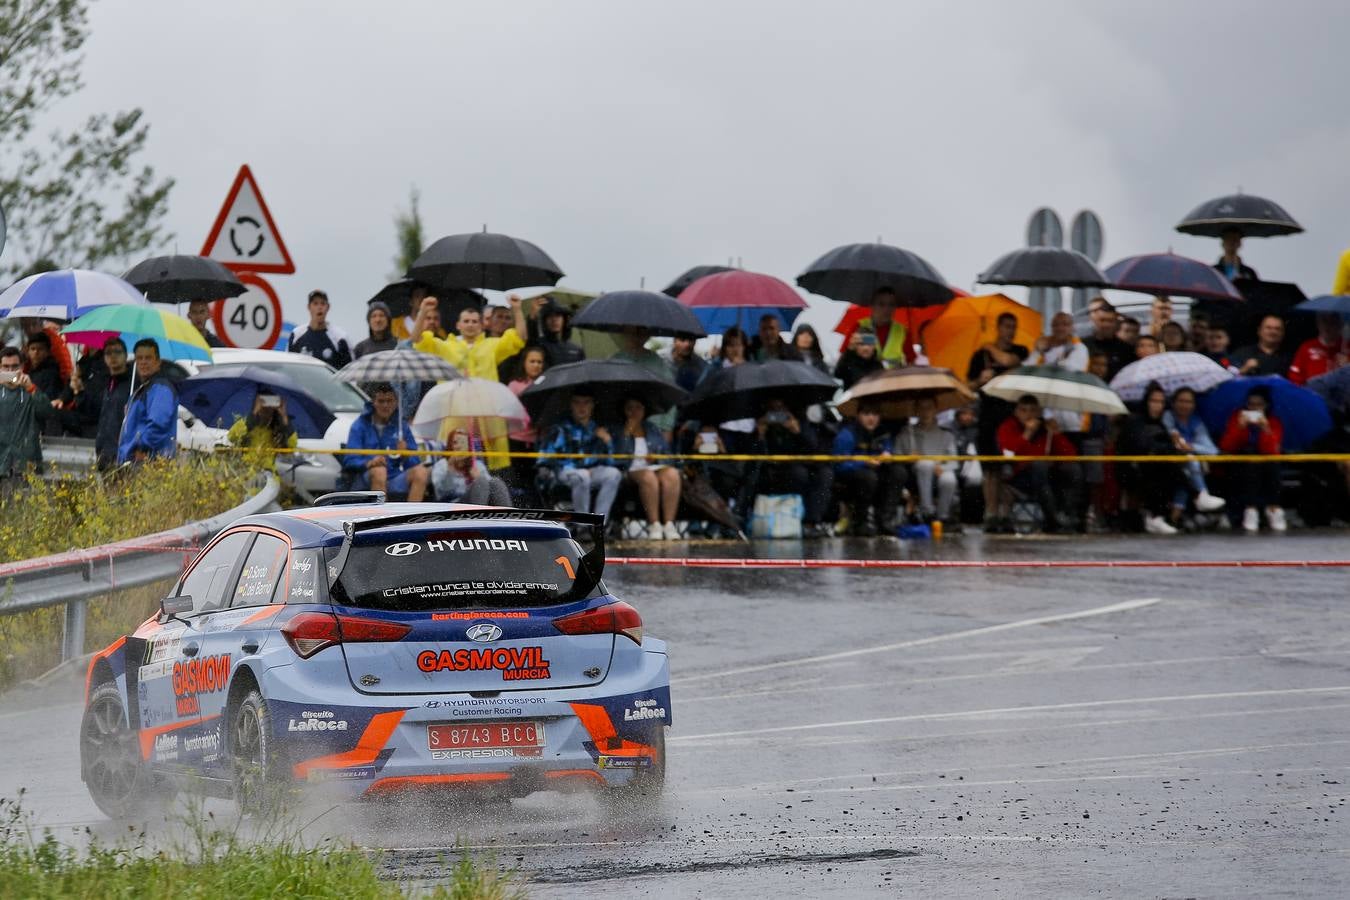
(244, 237)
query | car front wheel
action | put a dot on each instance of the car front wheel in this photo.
(110, 757)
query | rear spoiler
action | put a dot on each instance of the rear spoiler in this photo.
(592, 562)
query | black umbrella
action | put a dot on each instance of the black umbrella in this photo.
(1251, 215)
(397, 295)
(1045, 267)
(738, 392)
(854, 272)
(676, 287)
(610, 380)
(483, 260)
(1263, 298)
(621, 310)
(182, 278)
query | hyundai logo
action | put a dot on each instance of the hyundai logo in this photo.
(483, 632)
(403, 549)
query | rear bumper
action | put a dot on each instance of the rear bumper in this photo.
(361, 745)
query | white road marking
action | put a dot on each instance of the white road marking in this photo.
(1126, 606)
(817, 685)
(1007, 710)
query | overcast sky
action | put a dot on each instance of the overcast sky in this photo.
(634, 140)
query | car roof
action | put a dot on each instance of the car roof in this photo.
(313, 525)
(229, 355)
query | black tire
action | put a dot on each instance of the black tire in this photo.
(254, 764)
(118, 780)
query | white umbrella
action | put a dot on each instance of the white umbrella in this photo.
(1057, 388)
(1172, 370)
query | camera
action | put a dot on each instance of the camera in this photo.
(271, 401)
(776, 417)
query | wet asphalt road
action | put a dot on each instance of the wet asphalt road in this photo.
(957, 732)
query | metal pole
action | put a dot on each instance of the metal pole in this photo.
(72, 642)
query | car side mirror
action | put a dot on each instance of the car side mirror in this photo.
(174, 607)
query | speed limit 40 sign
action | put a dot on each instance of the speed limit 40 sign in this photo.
(251, 320)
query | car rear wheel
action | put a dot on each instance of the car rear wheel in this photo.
(110, 757)
(257, 783)
(647, 784)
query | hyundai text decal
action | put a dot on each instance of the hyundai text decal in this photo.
(515, 663)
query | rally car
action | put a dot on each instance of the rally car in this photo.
(377, 649)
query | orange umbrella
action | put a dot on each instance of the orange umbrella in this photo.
(967, 323)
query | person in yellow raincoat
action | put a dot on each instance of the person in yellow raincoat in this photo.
(477, 355)
(1341, 283)
(266, 429)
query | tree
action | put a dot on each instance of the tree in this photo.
(79, 198)
(408, 234)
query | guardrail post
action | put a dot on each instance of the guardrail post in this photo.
(72, 642)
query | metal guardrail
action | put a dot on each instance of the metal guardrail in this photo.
(74, 577)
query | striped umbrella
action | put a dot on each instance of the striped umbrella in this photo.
(398, 366)
(1058, 389)
(66, 294)
(1173, 370)
(176, 336)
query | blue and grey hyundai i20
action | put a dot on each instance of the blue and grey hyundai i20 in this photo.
(378, 649)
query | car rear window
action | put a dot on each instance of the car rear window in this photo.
(463, 568)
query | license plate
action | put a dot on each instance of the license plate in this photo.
(485, 736)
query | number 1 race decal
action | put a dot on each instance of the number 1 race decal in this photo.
(515, 663)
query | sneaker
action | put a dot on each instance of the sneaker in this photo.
(655, 532)
(1275, 515)
(1251, 520)
(1157, 525)
(670, 532)
(1207, 502)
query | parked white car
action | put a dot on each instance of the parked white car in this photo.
(310, 474)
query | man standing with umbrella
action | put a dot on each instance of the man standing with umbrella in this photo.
(22, 407)
(1230, 264)
(151, 426)
(102, 400)
(198, 312)
(890, 334)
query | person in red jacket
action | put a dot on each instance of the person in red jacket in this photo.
(1322, 354)
(1054, 485)
(1255, 430)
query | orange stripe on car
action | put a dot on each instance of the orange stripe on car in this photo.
(583, 774)
(596, 721)
(102, 654)
(265, 612)
(372, 741)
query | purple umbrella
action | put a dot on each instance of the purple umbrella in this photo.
(1168, 273)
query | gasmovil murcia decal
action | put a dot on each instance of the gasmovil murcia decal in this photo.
(643, 710)
(515, 663)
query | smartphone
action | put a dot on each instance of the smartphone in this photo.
(776, 418)
(271, 400)
(707, 442)
(10, 377)
(1253, 416)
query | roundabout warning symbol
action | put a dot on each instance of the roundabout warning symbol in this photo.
(244, 238)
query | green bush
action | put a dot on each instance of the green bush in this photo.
(213, 863)
(39, 517)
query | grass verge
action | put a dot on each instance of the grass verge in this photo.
(40, 517)
(210, 863)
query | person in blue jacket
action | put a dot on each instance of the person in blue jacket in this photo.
(151, 426)
(378, 429)
(871, 487)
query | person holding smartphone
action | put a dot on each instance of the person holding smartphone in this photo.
(23, 409)
(266, 429)
(1256, 430)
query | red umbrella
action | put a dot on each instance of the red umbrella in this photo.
(912, 318)
(738, 298)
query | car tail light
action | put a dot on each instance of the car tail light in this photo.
(310, 632)
(612, 618)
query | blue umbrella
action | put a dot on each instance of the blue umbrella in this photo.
(66, 294)
(1332, 303)
(1301, 412)
(219, 394)
(1168, 273)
